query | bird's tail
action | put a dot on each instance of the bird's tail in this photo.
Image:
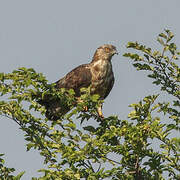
(54, 107)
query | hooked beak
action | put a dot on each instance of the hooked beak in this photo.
(115, 52)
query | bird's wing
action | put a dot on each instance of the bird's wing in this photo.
(76, 79)
(109, 88)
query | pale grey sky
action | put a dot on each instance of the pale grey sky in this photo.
(55, 36)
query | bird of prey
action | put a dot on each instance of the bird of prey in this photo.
(97, 75)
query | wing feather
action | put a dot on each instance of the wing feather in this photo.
(76, 79)
(109, 88)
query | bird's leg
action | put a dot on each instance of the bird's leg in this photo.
(99, 111)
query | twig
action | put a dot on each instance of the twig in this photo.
(112, 160)
(99, 167)
(90, 165)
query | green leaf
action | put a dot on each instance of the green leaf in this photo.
(161, 41)
(95, 97)
(142, 66)
(163, 35)
(71, 125)
(18, 177)
(89, 128)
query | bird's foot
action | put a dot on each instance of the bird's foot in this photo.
(85, 108)
(100, 114)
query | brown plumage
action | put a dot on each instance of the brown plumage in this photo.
(98, 75)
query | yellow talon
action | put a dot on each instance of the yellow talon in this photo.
(85, 108)
(99, 111)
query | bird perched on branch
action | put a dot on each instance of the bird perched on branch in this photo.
(97, 75)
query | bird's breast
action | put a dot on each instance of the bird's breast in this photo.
(102, 77)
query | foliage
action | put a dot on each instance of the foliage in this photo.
(142, 147)
(6, 173)
(162, 65)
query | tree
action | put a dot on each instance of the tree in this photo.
(87, 152)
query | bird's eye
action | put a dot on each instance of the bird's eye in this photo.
(107, 50)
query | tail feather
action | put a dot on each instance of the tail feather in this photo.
(54, 108)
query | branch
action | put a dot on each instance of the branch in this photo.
(11, 119)
(112, 160)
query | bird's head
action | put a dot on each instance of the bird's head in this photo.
(105, 52)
